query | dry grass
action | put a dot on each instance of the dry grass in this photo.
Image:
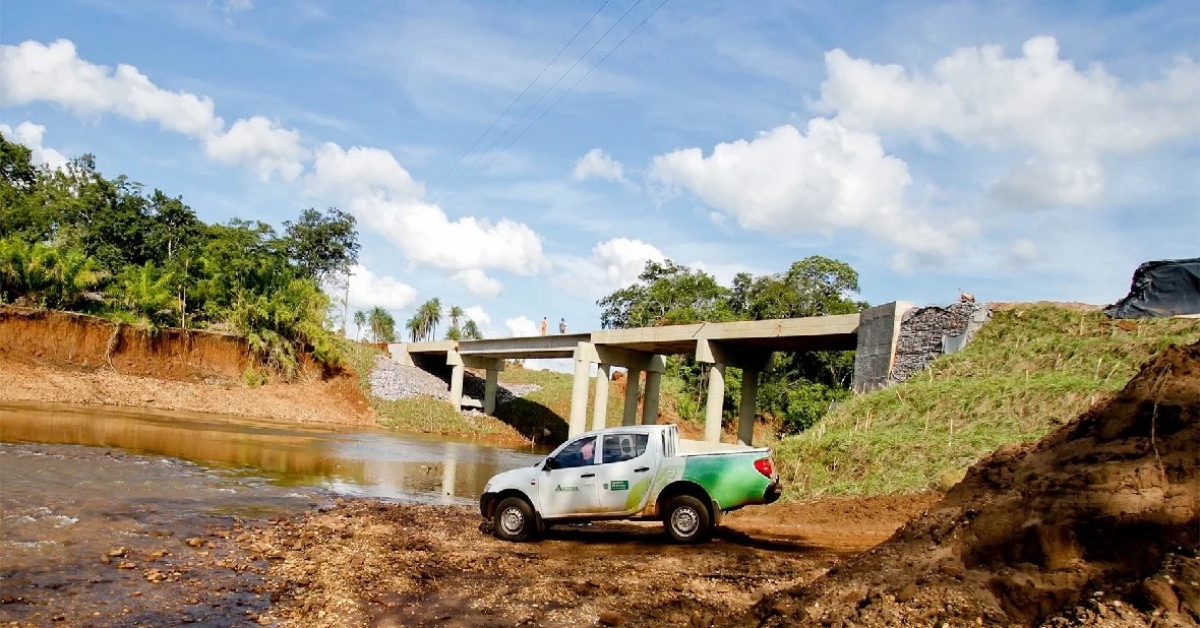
(1031, 369)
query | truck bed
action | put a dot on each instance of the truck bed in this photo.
(698, 447)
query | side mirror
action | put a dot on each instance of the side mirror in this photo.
(551, 463)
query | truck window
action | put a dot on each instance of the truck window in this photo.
(578, 454)
(622, 447)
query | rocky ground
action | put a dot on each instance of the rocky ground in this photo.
(391, 380)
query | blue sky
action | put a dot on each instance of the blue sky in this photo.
(1017, 150)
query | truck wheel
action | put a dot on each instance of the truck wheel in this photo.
(513, 520)
(686, 519)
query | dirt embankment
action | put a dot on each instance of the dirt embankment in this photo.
(61, 357)
(1098, 524)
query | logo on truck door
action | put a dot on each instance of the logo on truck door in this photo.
(566, 489)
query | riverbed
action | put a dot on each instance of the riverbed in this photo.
(96, 502)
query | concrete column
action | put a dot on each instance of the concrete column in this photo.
(579, 394)
(600, 404)
(489, 392)
(632, 380)
(716, 399)
(749, 406)
(456, 386)
(650, 404)
(449, 469)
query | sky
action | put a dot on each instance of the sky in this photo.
(524, 159)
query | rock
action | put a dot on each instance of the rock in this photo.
(116, 552)
(127, 564)
(195, 541)
(391, 380)
(907, 593)
(609, 618)
(1159, 594)
(921, 332)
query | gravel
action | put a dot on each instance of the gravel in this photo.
(391, 380)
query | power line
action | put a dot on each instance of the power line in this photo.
(524, 91)
(548, 90)
(558, 100)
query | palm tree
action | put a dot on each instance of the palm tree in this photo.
(433, 316)
(383, 326)
(360, 321)
(456, 314)
(471, 331)
(415, 327)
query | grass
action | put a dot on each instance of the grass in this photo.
(1028, 371)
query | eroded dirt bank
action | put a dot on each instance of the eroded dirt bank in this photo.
(60, 357)
(1098, 524)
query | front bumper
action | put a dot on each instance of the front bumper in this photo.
(773, 492)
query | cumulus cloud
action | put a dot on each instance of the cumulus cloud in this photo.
(261, 145)
(612, 264)
(1067, 118)
(368, 289)
(791, 181)
(30, 135)
(427, 236)
(482, 319)
(478, 283)
(32, 71)
(596, 164)
(358, 171)
(521, 326)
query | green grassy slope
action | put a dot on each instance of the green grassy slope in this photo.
(1028, 371)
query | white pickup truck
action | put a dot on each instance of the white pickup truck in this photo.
(638, 472)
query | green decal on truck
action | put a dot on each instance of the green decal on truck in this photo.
(566, 489)
(619, 485)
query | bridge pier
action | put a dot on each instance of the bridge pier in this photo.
(749, 406)
(600, 404)
(458, 364)
(489, 391)
(752, 362)
(633, 377)
(650, 403)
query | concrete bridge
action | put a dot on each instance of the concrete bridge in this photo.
(747, 345)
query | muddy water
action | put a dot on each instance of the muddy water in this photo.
(79, 484)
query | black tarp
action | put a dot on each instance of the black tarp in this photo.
(1162, 288)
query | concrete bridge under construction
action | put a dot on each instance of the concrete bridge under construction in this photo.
(747, 345)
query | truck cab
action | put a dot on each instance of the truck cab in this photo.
(634, 472)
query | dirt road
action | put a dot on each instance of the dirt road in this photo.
(365, 564)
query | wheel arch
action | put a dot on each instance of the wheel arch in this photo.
(494, 499)
(686, 487)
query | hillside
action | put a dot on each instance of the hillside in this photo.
(1029, 371)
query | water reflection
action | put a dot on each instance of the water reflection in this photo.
(369, 463)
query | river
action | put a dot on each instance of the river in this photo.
(80, 483)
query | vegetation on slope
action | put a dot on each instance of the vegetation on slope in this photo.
(1028, 371)
(73, 239)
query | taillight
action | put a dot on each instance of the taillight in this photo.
(764, 466)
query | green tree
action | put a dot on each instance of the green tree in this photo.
(322, 245)
(430, 314)
(360, 321)
(471, 331)
(455, 332)
(383, 326)
(666, 294)
(147, 292)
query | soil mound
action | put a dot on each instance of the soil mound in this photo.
(1098, 524)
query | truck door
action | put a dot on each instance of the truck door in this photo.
(567, 485)
(625, 472)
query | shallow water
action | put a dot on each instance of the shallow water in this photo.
(75, 483)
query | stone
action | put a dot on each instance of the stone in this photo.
(609, 618)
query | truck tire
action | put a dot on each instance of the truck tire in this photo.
(513, 520)
(686, 519)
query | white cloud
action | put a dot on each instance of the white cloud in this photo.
(428, 236)
(261, 145)
(32, 71)
(369, 290)
(1039, 103)
(239, 5)
(478, 283)
(521, 326)
(30, 135)
(482, 319)
(785, 181)
(359, 171)
(1023, 251)
(596, 164)
(621, 260)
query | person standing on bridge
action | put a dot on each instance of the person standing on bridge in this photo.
(562, 325)
(543, 325)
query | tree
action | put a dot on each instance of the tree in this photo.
(471, 331)
(360, 321)
(322, 245)
(455, 332)
(415, 327)
(666, 294)
(430, 314)
(383, 326)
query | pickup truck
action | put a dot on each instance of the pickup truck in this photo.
(637, 472)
